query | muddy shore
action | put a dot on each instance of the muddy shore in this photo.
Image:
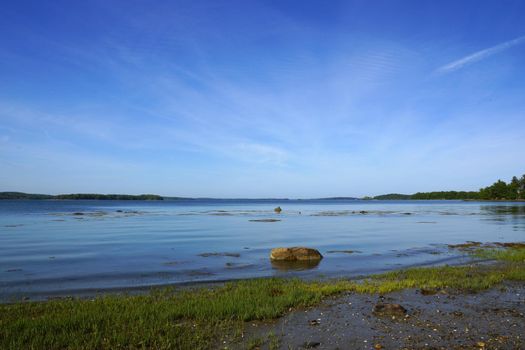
(491, 319)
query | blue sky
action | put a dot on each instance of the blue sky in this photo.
(261, 98)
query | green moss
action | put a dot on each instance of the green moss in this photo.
(205, 317)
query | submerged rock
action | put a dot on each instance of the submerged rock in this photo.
(344, 251)
(232, 265)
(295, 254)
(231, 255)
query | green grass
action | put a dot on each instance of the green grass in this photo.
(205, 317)
(509, 255)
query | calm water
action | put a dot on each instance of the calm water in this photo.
(61, 247)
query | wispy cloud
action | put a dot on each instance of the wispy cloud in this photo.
(479, 55)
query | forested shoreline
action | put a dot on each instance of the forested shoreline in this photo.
(514, 190)
(499, 190)
(79, 196)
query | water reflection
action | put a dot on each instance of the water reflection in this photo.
(501, 214)
(295, 265)
(501, 210)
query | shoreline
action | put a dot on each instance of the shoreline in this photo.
(88, 293)
(214, 317)
(459, 258)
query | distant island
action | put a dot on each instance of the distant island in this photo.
(80, 196)
(499, 190)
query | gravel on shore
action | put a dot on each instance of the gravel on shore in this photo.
(492, 319)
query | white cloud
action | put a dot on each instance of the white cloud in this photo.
(479, 55)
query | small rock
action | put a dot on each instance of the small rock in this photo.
(310, 344)
(314, 322)
(389, 309)
(425, 291)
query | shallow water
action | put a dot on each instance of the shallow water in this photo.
(69, 247)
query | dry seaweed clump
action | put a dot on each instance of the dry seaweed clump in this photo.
(465, 246)
(510, 244)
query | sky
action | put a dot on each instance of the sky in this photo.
(253, 99)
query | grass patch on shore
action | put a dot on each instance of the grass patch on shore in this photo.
(509, 255)
(205, 317)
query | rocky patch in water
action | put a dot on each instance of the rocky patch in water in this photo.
(233, 265)
(472, 245)
(231, 255)
(343, 251)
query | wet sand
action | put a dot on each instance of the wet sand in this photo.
(492, 319)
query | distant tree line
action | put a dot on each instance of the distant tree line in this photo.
(120, 197)
(499, 190)
(20, 195)
(513, 190)
(446, 195)
(391, 196)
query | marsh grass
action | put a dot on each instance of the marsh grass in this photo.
(509, 255)
(205, 318)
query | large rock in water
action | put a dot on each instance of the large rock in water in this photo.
(295, 254)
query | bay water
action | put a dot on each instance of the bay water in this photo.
(54, 248)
